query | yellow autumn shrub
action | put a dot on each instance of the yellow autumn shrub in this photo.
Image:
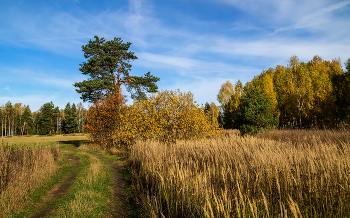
(166, 116)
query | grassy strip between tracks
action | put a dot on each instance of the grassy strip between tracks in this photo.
(122, 202)
(90, 193)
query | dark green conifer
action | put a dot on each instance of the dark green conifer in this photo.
(70, 121)
(46, 119)
(108, 67)
(255, 112)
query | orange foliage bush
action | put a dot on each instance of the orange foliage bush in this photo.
(103, 117)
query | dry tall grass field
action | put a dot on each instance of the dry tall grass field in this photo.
(23, 168)
(277, 174)
(25, 163)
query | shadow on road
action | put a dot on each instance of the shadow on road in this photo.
(75, 143)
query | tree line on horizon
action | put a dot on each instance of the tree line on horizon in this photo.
(18, 119)
(300, 95)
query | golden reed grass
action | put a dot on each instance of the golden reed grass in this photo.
(307, 136)
(248, 176)
(23, 168)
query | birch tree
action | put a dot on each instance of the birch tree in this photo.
(298, 87)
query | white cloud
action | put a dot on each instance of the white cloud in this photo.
(168, 60)
(190, 65)
(40, 78)
(58, 82)
(7, 88)
(277, 48)
(272, 10)
(315, 18)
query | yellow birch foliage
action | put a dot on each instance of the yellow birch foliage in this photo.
(225, 93)
(297, 86)
(236, 96)
(323, 99)
(213, 114)
(167, 116)
(322, 72)
(278, 78)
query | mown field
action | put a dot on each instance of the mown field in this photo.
(289, 173)
(37, 139)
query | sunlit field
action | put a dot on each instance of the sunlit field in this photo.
(278, 174)
(36, 139)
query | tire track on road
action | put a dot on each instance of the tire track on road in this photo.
(59, 190)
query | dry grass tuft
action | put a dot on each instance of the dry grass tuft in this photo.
(296, 174)
(23, 168)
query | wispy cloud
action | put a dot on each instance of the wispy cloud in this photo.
(7, 88)
(57, 82)
(40, 78)
(63, 32)
(279, 47)
(314, 18)
(192, 66)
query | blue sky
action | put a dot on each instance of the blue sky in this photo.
(193, 45)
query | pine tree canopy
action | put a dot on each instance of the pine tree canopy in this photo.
(108, 66)
(46, 118)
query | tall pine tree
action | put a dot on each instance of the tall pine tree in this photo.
(46, 119)
(108, 67)
(70, 121)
